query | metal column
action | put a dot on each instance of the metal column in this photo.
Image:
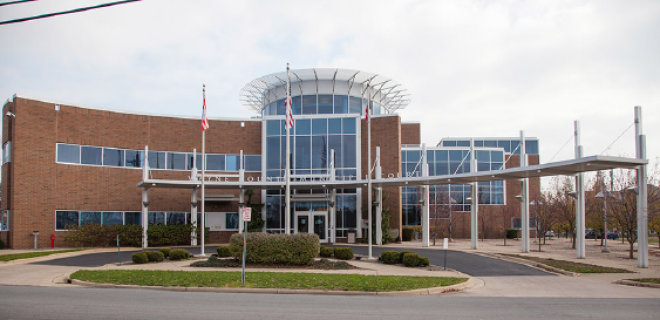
(524, 205)
(474, 209)
(379, 202)
(425, 200)
(193, 201)
(642, 201)
(145, 199)
(580, 199)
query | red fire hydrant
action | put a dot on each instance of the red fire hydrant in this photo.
(52, 241)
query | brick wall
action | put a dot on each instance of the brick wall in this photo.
(411, 133)
(41, 186)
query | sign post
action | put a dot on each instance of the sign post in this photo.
(118, 250)
(445, 245)
(247, 215)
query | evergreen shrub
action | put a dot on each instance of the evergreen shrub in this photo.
(267, 248)
(140, 257)
(166, 252)
(179, 254)
(343, 253)
(326, 252)
(223, 251)
(390, 257)
(155, 256)
(407, 233)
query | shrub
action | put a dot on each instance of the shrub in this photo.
(2, 244)
(402, 253)
(407, 233)
(96, 235)
(154, 256)
(424, 262)
(223, 251)
(344, 253)
(266, 248)
(511, 234)
(140, 257)
(411, 259)
(326, 252)
(390, 257)
(179, 254)
(166, 252)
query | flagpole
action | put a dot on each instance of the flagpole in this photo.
(369, 195)
(203, 170)
(287, 217)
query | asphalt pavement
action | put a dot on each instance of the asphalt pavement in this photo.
(98, 259)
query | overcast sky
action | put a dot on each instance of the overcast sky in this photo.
(473, 68)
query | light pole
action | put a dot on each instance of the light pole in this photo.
(604, 194)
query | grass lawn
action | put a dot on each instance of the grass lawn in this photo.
(280, 280)
(573, 266)
(647, 280)
(26, 255)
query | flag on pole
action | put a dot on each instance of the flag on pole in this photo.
(366, 112)
(205, 119)
(287, 103)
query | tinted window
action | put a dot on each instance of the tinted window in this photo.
(157, 159)
(325, 104)
(68, 153)
(215, 162)
(176, 218)
(334, 126)
(113, 157)
(252, 163)
(348, 125)
(341, 104)
(231, 220)
(65, 218)
(90, 217)
(319, 126)
(134, 158)
(232, 163)
(91, 155)
(133, 218)
(112, 218)
(302, 127)
(157, 218)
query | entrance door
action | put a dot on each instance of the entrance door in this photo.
(313, 222)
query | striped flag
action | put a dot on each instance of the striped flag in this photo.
(287, 102)
(366, 113)
(205, 119)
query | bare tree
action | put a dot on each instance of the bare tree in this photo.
(564, 204)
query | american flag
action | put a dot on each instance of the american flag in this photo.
(366, 112)
(289, 111)
(205, 119)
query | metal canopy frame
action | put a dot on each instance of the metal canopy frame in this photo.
(568, 167)
(260, 92)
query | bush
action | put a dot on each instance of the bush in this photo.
(390, 257)
(407, 233)
(2, 244)
(326, 252)
(155, 256)
(411, 259)
(424, 262)
(402, 253)
(266, 248)
(179, 254)
(511, 234)
(166, 252)
(223, 251)
(96, 235)
(344, 253)
(140, 257)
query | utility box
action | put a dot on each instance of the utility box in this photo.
(351, 237)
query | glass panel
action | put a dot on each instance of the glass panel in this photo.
(506, 144)
(497, 156)
(4, 220)
(232, 163)
(456, 155)
(319, 126)
(448, 143)
(349, 208)
(515, 145)
(157, 218)
(176, 161)
(253, 163)
(302, 127)
(430, 156)
(413, 156)
(91, 155)
(157, 159)
(319, 152)
(133, 218)
(189, 161)
(309, 104)
(483, 156)
(325, 104)
(68, 153)
(281, 110)
(531, 147)
(348, 152)
(176, 218)
(334, 125)
(112, 218)
(355, 105)
(334, 143)
(441, 156)
(90, 217)
(462, 143)
(113, 157)
(483, 166)
(65, 218)
(341, 104)
(216, 161)
(376, 108)
(273, 153)
(273, 214)
(348, 125)
(297, 106)
(134, 158)
(441, 168)
(496, 166)
(490, 143)
(303, 153)
(303, 224)
(273, 127)
(231, 220)
(319, 226)
(478, 143)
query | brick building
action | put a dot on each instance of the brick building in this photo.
(65, 164)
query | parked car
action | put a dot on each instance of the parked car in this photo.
(612, 235)
(593, 235)
(550, 234)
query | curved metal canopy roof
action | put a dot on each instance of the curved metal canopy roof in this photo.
(393, 95)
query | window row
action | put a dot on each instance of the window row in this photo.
(322, 126)
(4, 220)
(322, 104)
(216, 221)
(531, 145)
(90, 155)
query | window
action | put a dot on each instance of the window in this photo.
(90, 217)
(231, 220)
(4, 220)
(113, 157)
(6, 152)
(134, 158)
(63, 219)
(91, 155)
(133, 218)
(232, 163)
(253, 163)
(112, 218)
(156, 218)
(215, 162)
(157, 160)
(325, 104)
(176, 161)
(67, 153)
(176, 218)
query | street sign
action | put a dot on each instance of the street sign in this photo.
(247, 214)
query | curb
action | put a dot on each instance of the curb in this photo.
(531, 263)
(637, 284)
(435, 290)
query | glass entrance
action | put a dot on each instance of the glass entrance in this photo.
(312, 222)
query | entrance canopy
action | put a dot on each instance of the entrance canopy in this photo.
(566, 168)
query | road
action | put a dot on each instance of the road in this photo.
(19, 302)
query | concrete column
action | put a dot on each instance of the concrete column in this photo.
(145, 217)
(425, 201)
(474, 205)
(642, 201)
(193, 201)
(333, 199)
(580, 199)
(241, 195)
